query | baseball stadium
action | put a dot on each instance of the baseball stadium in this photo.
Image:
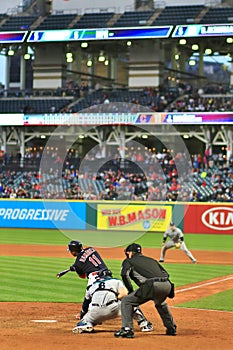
(116, 123)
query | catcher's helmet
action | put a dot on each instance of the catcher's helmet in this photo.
(75, 246)
(104, 273)
(134, 247)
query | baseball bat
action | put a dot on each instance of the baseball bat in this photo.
(62, 273)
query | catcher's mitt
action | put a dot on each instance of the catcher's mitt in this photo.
(177, 245)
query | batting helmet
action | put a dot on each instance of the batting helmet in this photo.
(75, 246)
(104, 273)
(134, 247)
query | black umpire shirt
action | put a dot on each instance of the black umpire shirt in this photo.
(139, 268)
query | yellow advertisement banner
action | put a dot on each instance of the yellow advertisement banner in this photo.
(133, 217)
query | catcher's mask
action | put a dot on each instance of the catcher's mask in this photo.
(134, 247)
(104, 273)
(75, 246)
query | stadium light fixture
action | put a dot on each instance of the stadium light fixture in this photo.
(69, 57)
(27, 56)
(10, 52)
(101, 57)
(89, 63)
(182, 42)
(84, 45)
(192, 62)
(195, 47)
(208, 51)
(229, 40)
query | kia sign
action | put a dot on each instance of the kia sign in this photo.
(218, 218)
(211, 218)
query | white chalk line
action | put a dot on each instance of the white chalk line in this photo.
(197, 309)
(44, 321)
(200, 286)
(204, 284)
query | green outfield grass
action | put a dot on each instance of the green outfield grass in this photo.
(153, 240)
(34, 278)
(219, 301)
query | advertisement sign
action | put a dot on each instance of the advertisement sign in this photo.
(13, 37)
(202, 30)
(215, 218)
(42, 214)
(99, 34)
(133, 217)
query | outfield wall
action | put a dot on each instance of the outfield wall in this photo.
(213, 218)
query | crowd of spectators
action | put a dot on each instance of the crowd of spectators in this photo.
(160, 177)
(159, 99)
(182, 97)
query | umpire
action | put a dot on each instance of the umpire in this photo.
(154, 284)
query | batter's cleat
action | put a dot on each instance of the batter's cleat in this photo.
(161, 260)
(124, 332)
(171, 331)
(147, 327)
(194, 261)
(83, 327)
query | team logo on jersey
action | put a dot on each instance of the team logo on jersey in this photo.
(218, 218)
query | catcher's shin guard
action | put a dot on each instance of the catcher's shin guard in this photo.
(138, 315)
(141, 320)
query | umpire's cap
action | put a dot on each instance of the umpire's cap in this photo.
(134, 247)
(75, 246)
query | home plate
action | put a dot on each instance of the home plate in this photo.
(46, 321)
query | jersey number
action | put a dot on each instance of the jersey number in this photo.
(94, 260)
(101, 285)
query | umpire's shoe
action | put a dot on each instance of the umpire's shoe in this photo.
(171, 331)
(124, 332)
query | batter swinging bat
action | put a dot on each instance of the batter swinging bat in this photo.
(62, 273)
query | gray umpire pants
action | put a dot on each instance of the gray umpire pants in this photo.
(160, 293)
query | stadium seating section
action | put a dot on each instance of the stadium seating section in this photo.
(168, 15)
(57, 22)
(134, 19)
(17, 23)
(218, 15)
(33, 105)
(93, 20)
